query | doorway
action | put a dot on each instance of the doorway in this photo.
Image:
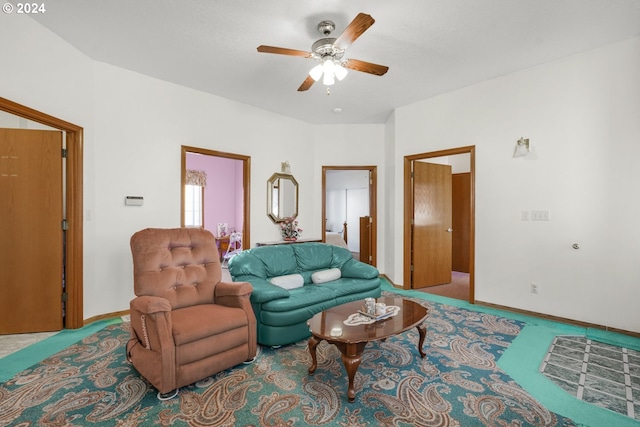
(73, 206)
(416, 245)
(225, 197)
(349, 209)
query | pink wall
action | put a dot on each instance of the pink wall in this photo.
(223, 196)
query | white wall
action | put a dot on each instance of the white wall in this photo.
(140, 125)
(582, 115)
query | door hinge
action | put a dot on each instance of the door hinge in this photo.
(65, 225)
(370, 258)
(412, 268)
(64, 153)
(64, 297)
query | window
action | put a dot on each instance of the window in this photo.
(195, 182)
(193, 206)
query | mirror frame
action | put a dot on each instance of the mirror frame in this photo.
(270, 182)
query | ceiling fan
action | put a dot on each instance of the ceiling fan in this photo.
(329, 52)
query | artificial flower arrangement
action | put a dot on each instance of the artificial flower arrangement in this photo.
(289, 228)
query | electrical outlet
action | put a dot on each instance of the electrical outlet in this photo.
(534, 288)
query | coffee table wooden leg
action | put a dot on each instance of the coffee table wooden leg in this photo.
(351, 358)
(422, 330)
(313, 343)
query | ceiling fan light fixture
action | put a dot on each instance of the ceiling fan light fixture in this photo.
(328, 66)
(328, 79)
(340, 72)
(316, 72)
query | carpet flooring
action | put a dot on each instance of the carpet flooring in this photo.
(458, 384)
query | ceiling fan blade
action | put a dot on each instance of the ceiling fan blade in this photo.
(366, 67)
(283, 51)
(306, 84)
(359, 25)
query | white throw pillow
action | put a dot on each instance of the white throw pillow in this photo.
(290, 281)
(326, 275)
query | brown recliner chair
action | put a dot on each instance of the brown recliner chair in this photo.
(186, 324)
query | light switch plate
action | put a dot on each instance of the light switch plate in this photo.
(133, 200)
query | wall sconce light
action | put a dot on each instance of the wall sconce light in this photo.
(522, 148)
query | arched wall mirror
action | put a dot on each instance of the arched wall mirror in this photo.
(282, 197)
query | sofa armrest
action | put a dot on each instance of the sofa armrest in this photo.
(263, 290)
(359, 270)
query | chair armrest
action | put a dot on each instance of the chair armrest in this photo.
(228, 289)
(149, 304)
(234, 294)
(238, 294)
(151, 324)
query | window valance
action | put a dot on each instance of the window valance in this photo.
(194, 177)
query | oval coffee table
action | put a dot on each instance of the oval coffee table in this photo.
(351, 340)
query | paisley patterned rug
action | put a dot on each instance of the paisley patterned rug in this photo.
(457, 384)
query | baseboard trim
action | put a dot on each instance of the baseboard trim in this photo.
(559, 319)
(105, 316)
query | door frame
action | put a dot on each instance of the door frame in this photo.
(74, 309)
(246, 183)
(408, 211)
(373, 203)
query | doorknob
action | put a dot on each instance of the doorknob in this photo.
(449, 230)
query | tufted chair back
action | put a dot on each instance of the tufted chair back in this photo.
(181, 265)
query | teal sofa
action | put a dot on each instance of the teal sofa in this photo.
(282, 314)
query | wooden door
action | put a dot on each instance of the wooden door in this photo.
(31, 246)
(365, 239)
(432, 228)
(461, 220)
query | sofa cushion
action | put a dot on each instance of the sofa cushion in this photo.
(323, 276)
(278, 260)
(313, 257)
(290, 281)
(188, 325)
(301, 297)
(349, 286)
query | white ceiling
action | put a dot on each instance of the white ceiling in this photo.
(430, 46)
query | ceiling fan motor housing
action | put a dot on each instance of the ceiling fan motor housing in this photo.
(326, 27)
(325, 47)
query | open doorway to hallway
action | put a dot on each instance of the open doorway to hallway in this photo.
(349, 209)
(439, 223)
